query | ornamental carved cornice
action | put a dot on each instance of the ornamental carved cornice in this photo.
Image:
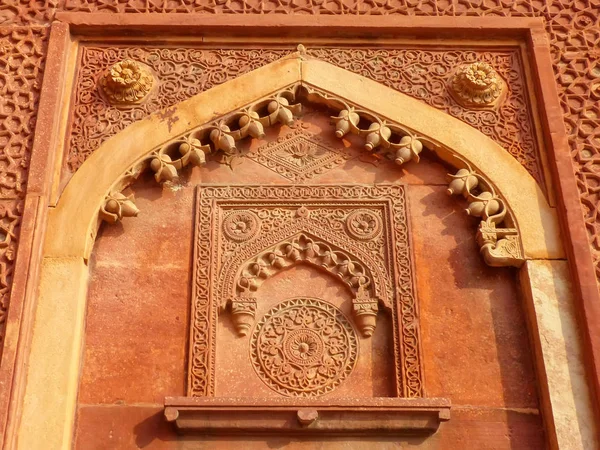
(497, 235)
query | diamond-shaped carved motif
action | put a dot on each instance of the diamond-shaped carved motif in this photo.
(299, 157)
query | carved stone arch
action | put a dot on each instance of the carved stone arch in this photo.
(517, 221)
(231, 275)
(352, 266)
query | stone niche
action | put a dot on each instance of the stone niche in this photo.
(304, 316)
(318, 291)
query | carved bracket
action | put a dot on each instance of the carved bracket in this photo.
(500, 246)
(364, 311)
(243, 310)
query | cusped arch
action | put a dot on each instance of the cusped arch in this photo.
(530, 231)
(356, 269)
(304, 243)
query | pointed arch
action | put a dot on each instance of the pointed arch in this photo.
(354, 267)
(114, 163)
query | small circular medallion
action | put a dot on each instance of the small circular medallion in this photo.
(241, 226)
(304, 347)
(363, 224)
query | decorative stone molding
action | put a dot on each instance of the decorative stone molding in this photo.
(304, 417)
(303, 248)
(127, 82)
(499, 245)
(477, 85)
(116, 206)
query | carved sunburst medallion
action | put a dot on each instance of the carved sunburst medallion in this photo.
(304, 347)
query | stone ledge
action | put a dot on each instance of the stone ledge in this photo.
(333, 417)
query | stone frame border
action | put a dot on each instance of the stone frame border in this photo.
(57, 431)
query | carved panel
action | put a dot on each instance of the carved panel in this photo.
(21, 64)
(304, 347)
(313, 225)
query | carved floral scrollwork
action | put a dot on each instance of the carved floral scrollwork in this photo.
(127, 82)
(477, 85)
(499, 244)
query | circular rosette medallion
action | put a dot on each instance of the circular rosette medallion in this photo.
(304, 347)
(363, 224)
(241, 226)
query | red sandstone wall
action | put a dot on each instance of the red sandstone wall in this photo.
(573, 29)
(475, 345)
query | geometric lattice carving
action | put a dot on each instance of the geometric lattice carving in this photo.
(22, 58)
(304, 347)
(303, 224)
(21, 63)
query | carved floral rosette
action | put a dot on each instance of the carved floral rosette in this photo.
(303, 347)
(477, 85)
(127, 82)
(304, 224)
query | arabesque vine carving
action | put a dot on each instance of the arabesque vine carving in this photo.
(180, 73)
(303, 224)
(304, 347)
(420, 73)
(389, 140)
